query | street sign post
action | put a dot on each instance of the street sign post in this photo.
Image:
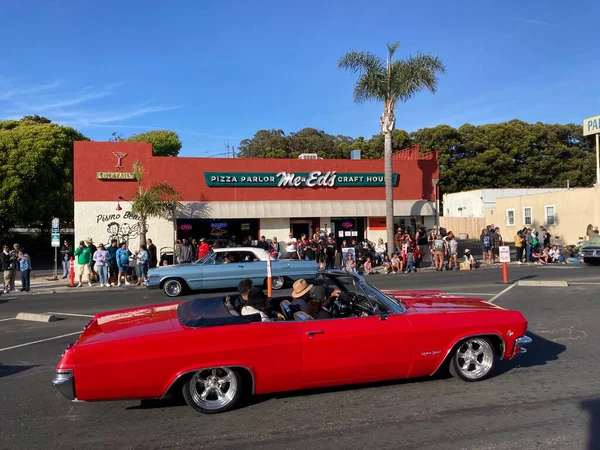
(55, 242)
(591, 125)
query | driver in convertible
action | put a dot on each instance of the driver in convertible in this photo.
(319, 303)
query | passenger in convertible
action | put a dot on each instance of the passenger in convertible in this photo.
(256, 303)
(238, 303)
(301, 294)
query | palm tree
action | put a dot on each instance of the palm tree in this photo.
(390, 82)
(158, 200)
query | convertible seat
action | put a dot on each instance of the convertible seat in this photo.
(210, 312)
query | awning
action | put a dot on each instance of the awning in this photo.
(278, 209)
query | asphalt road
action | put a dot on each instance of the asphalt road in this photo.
(547, 398)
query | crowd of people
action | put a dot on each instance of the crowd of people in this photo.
(108, 265)
(12, 261)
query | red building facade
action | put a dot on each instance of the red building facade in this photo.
(227, 197)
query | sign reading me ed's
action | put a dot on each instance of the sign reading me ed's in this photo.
(314, 179)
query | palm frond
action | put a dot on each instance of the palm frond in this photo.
(370, 85)
(408, 77)
(138, 171)
(361, 62)
(392, 49)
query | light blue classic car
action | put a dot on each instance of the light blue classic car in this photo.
(224, 268)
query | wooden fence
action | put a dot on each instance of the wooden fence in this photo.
(471, 226)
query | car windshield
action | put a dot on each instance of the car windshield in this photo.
(348, 284)
(205, 258)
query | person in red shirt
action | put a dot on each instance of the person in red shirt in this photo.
(203, 248)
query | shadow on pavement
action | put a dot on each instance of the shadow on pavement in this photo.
(592, 406)
(6, 370)
(539, 353)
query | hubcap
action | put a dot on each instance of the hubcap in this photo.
(475, 358)
(173, 288)
(277, 282)
(213, 388)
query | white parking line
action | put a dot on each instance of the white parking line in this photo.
(575, 282)
(41, 340)
(502, 292)
(70, 314)
(8, 318)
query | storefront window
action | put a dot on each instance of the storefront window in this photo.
(218, 230)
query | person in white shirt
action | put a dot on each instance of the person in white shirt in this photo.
(291, 247)
(556, 256)
(379, 251)
(469, 258)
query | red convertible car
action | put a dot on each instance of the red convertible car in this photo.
(206, 350)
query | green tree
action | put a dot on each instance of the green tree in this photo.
(36, 171)
(160, 200)
(390, 82)
(164, 142)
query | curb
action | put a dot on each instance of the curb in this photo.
(36, 317)
(531, 283)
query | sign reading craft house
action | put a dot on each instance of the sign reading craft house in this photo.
(314, 179)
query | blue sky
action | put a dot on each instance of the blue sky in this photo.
(217, 72)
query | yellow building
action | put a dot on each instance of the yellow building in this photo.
(565, 214)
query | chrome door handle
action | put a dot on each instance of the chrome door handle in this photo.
(311, 333)
(241, 267)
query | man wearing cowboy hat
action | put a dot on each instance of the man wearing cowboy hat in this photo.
(300, 293)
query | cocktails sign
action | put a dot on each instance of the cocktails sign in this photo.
(316, 179)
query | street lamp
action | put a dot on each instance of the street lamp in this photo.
(434, 182)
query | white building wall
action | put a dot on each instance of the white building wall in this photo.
(101, 222)
(475, 203)
(279, 228)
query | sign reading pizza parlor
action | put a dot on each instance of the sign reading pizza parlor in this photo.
(314, 179)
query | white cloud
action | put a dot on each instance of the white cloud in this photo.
(22, 91)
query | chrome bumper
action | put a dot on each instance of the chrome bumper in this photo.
(520, 342)
(63, 381)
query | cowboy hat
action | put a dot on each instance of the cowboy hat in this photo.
(90, 240)
(300, 288)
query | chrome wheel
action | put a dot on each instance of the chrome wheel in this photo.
(173, 288)
(278, 282)
(213, 389)
(474, 359)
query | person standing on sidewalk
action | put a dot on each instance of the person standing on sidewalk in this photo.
(101, 258)
(84, 258)
(123, 255)
(66, 251)
(152, 257)
(112, 262)
(25, 267)
(142, 265)
(8, 262)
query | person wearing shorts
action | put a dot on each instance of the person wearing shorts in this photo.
(439, 251)
(84, 257)
(452, 252)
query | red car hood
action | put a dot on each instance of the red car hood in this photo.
(436, 305)
(132, 322)
(414, 293)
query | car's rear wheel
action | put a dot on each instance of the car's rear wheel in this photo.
(213, 390)
(173, 287)
(473, 359)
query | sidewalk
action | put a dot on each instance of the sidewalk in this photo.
(40, 285)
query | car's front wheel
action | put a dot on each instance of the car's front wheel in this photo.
(473, 360)
(592, 261)
(173, 287)
(213, 390)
